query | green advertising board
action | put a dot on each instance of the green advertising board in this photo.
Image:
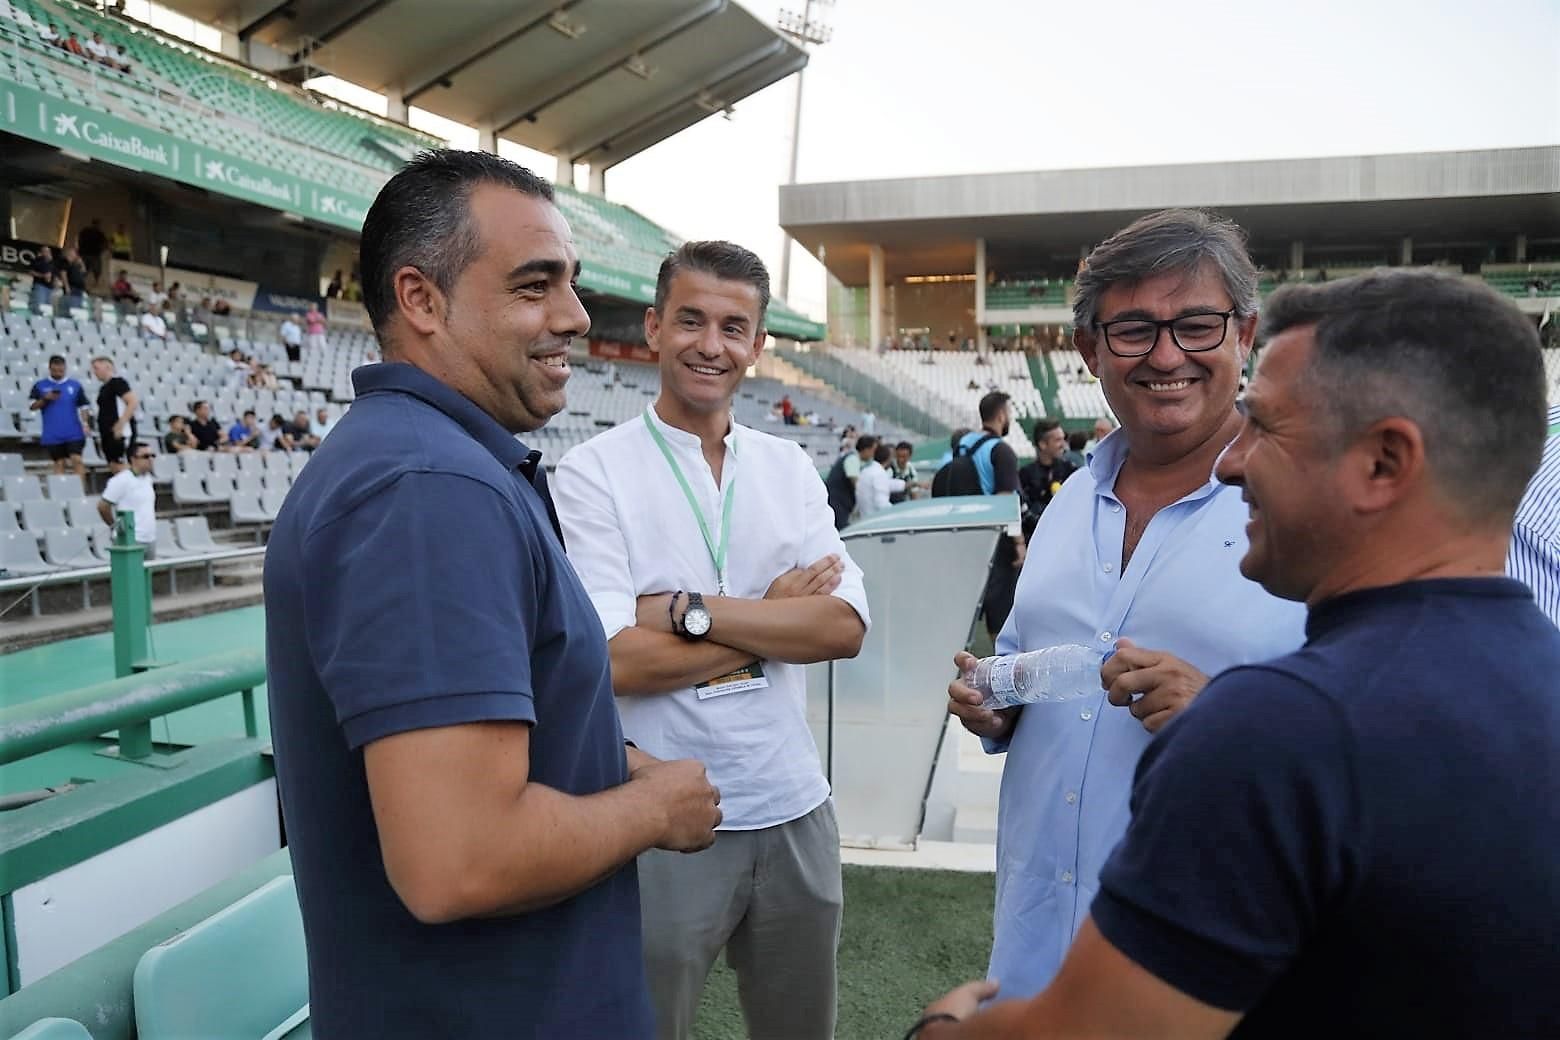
(74, 128)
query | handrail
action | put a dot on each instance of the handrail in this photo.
(73, 575)
(63, 718)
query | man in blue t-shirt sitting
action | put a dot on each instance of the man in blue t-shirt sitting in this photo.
(1357, 839)
(462, 812)
(67, 420)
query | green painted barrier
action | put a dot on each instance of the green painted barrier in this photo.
(81, 714)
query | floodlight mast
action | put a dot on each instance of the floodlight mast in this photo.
(805, 30)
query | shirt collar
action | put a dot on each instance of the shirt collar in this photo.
(401, 378)
(1105, 462)
(690, 441)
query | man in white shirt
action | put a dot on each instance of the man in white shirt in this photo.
(131, 490)
(876, 485)
(322, 424)
(292, 337)
(152, 324)
(709, 635)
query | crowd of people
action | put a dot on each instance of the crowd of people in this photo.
(92, 49)
(569, 779)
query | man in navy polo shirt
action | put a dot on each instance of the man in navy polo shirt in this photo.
(461, 809)
(1359, 838)
(66, 425)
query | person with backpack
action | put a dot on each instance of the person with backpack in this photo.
(841, 479)
(984, 463)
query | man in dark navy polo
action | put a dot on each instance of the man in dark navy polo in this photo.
(1359, 838)
(462, 811)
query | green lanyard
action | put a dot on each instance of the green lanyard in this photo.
(717, 552)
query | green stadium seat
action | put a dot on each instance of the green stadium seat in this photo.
(241, 972)
(54, 1029)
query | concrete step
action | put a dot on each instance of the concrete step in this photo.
(975, 824)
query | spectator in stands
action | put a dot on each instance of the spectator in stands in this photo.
(117, 405)
(459, 870)
(119, 243)
(876, 485)
(1283, 853)
(244, 435)
(238, 368)
(1039, 481)
(74, 46)
(787, 410)
(121, 58)
(353, 293)
(97, 50)
(261, 377)
(122, 291)
(93, 243)
(322, 424)
(840, 481)
(1102, 429)
(903, 469)
(1077, 444)
(300, 432)
(66, 416)
(221, 308)
(314, 339)
(132, 491)
(997, 466)
(209, 435)
(41, 299)
(51, 36)
(73, 274)
(848, 438)
(201, 315)
(333, 290)
(291, 332)
(1145, 545)
(274, 435)
(152, 324)
(179, 438)
(782, 592)
(158, 297)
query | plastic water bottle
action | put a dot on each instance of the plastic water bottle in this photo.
(1055, 673)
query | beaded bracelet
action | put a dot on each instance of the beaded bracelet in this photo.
(915, 1030)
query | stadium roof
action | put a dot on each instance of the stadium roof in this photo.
(928, 225)
(594, 80)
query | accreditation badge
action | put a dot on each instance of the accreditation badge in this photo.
(740, 681)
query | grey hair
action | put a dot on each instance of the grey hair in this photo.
(1169, 241)
(1449, 354)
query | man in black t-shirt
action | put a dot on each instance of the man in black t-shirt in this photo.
(116, 408)
(41, 268)
(1039, 481)
(997, 464)
(1358, 838)
(209, 435)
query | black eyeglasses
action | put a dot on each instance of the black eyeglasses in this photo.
(1193, 333)
(139, 458)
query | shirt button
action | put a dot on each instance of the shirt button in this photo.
(1105, 636)
(1072, 797)
(1115, 509)
(1066, 877)
(1086, 715)
(1109, 567)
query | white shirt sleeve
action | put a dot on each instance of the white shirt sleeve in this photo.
(115, 489)
(820, 538)
(593, 535)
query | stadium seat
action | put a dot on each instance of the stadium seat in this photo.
(197, 462)
(21, 489)
(271, 501)
(245, 508)
(8, 521)
(224, 464)
(83, 513)
(248, 484)
(41, 515)
(168, 547)
(65, 486)
(193, 535)
(67, 547)
(190, 490)
(185, 987)
(99, 539)
(296, 461)
(19, 555)
(252, 462)
(91, 456)
(274, 461)
(165, 468)
(54, 1029)
(11, 465)
(219, 487)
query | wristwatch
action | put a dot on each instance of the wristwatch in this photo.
(696, 619)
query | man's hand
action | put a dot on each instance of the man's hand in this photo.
(637, 759)
(653, 613)
(964, 703)
(1167, 683)
(820, 579)
(688, 803)
(961, 1003)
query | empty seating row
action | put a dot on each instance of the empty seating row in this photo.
(72, 548)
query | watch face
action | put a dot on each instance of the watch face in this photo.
(697, 622)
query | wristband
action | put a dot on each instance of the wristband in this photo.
(915, 1030)
(671, 612)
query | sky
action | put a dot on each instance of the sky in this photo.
(909, 88)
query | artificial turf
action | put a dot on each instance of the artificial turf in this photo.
(909, 936)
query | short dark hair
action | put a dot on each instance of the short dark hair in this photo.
(1077, 439)
(955, 437)
(904, 446)
(248, 412)
(1449, 354)
(55, 359)
(865, 441)
(882, 454)
(1171, 240)
(991, 404)
(1043, 427)
(422, 219)
(195, 405)
(725, 260)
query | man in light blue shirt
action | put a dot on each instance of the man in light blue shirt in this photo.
(1139, 552)
(1534, 556)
